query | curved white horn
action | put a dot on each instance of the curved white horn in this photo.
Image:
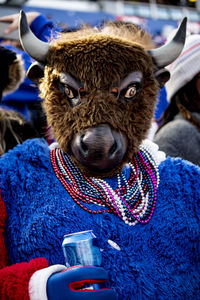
(167, 53)
(36, 48)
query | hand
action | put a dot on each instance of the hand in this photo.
(72, 284)
(14, 19)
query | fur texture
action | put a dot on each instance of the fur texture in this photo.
(18, 279)
(3, 217)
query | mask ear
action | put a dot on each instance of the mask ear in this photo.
(162, 76)
(35, 72)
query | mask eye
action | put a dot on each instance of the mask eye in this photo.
(131, 92)
(71, 94)
(68, 92)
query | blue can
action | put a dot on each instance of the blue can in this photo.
(81, 248)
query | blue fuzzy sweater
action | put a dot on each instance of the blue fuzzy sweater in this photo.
(159, 260)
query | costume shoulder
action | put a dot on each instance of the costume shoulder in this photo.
(180, 179)
(180, 138)
(171, 131)
(33, 151)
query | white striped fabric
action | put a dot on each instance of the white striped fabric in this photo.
(185, 67)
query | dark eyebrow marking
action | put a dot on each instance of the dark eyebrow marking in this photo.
(132, 77)
(66, 78)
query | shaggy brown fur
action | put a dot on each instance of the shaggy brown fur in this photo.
(14, 129)
(16, 75)
(129, 31)
(99, 59)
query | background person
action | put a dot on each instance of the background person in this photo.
(26, 98)
(14, 129)
(179, 133)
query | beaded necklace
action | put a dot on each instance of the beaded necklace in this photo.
(133, 200)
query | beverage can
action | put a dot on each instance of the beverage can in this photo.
(81, 248)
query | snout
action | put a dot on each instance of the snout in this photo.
(100, 148)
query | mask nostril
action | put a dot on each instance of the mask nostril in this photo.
(113, 148)
(83, 146)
